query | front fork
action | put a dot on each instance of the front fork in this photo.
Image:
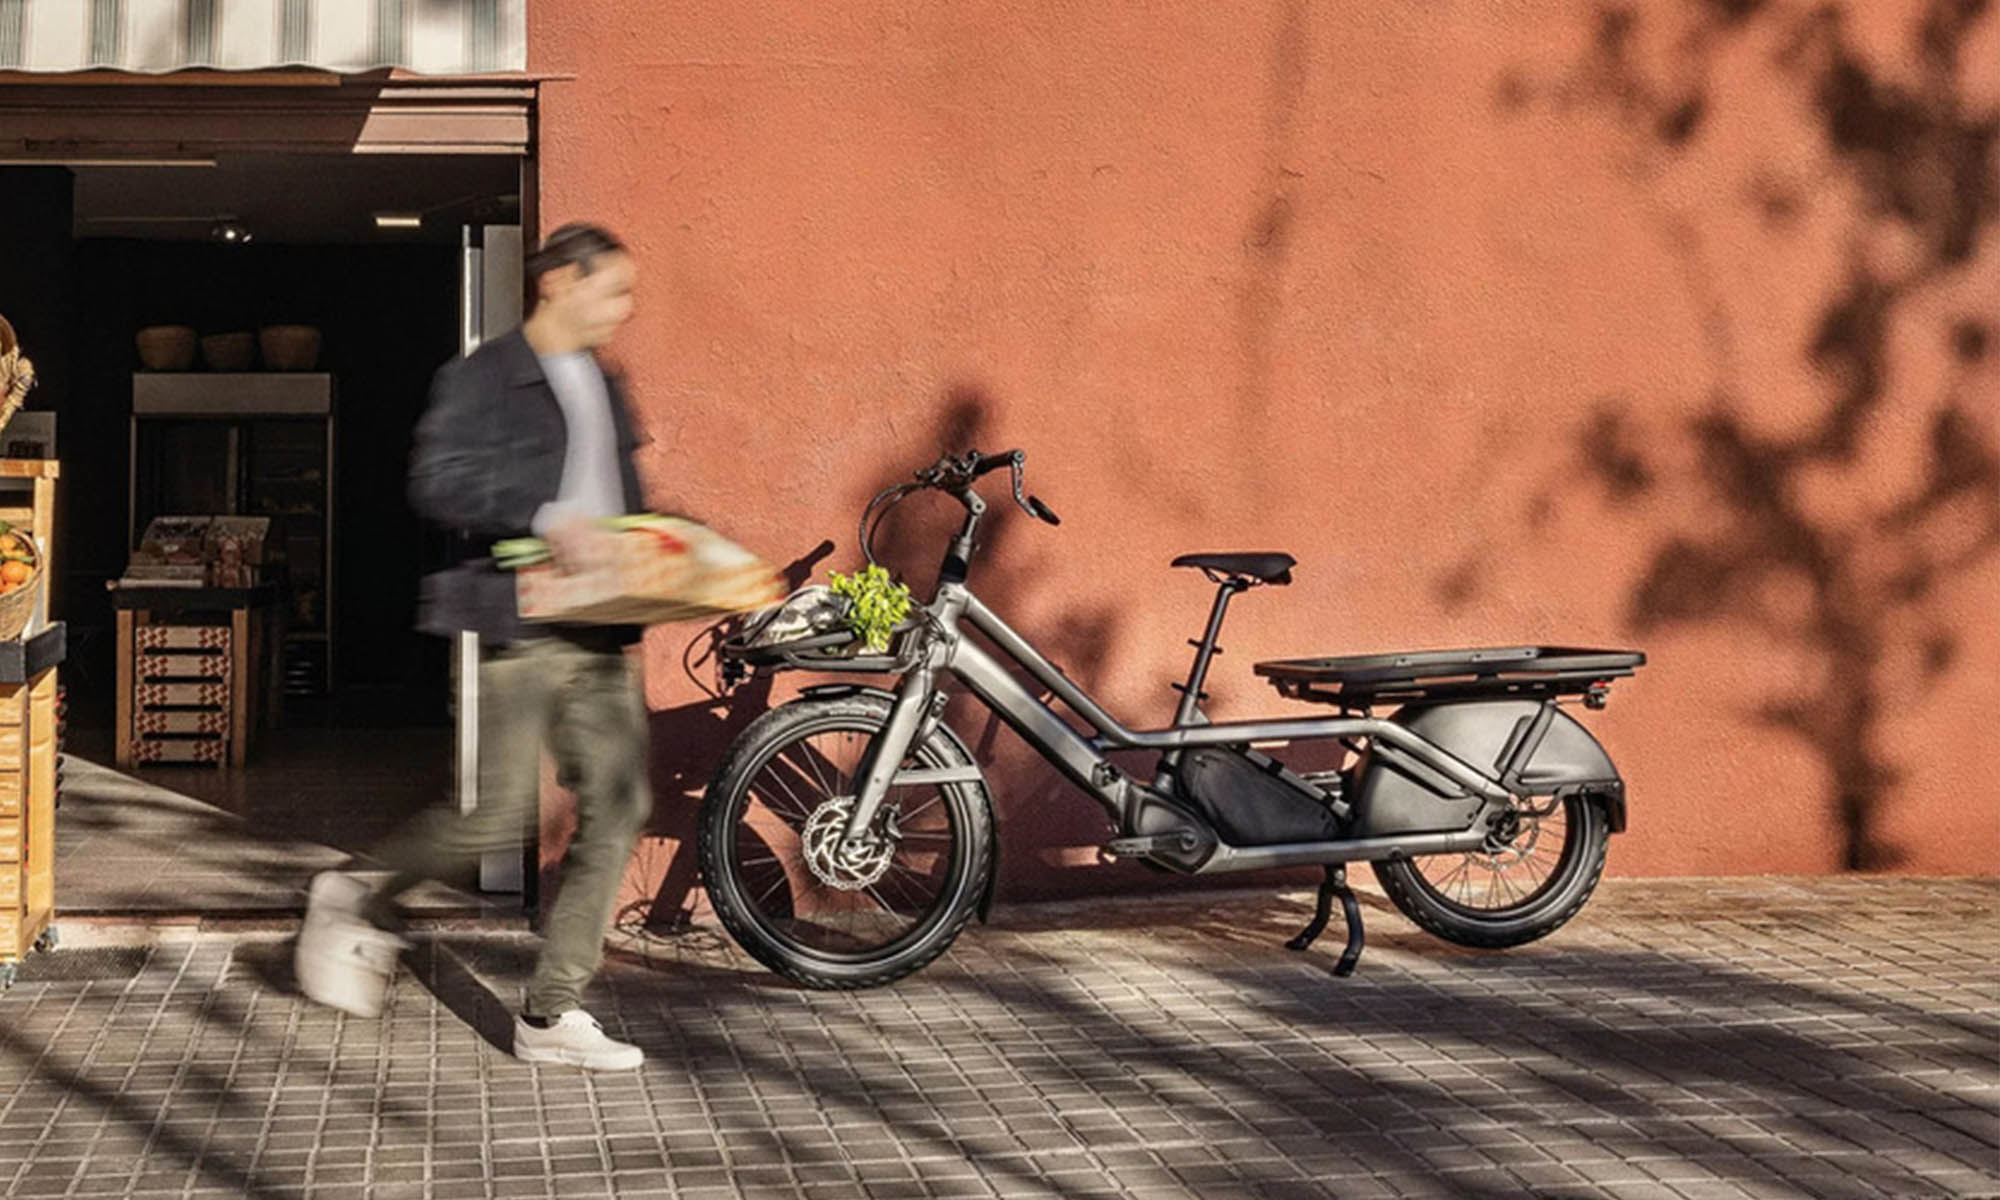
(885, 755)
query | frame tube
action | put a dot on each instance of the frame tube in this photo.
(1303, 854)
(1113, 735)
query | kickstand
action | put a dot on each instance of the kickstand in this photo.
(1335, 884)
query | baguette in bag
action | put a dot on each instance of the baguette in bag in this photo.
(660, 569)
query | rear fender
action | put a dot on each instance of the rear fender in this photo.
(1397, 795)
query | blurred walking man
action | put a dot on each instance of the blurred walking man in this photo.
(526, 434)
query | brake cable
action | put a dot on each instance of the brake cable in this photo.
(894, 495)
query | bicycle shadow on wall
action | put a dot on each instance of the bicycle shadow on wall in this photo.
(1859, 586)
(691, 739)
(688, 741)
(1045, 827)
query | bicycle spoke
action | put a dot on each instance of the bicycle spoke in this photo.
(876, 912)
(1459, 872)
(781, 881)
(812, 760)
(925, 807)
(877, 898)
(804, 810)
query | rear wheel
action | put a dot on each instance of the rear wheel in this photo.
(772, 862)
(1535, 873)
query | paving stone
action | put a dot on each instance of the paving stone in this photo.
(1827, 1038)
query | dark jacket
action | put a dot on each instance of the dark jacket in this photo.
(489, 454)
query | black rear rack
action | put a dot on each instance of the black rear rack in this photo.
(1359, 681)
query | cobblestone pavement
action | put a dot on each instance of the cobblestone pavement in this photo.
(1689, 1039)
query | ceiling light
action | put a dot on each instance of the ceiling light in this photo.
(399, 220)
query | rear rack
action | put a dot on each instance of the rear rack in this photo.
(1359, 681)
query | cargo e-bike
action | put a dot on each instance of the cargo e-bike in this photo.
(848, 836)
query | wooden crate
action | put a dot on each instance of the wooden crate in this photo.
(208, 694)
(180, 659)
(207, 722)
(181, 749)
(182, 664)
(183, 637)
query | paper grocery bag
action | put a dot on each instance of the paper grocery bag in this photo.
(675, 571)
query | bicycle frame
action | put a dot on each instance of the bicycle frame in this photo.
(1414, 793)
(946, 650)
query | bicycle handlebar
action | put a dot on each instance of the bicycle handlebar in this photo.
(956, 474)
(993, 462)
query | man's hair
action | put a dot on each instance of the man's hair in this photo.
(578, 243)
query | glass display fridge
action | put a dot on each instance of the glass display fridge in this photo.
(252, 444)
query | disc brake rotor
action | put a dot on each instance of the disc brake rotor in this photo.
(860, 865)
(1511, 841)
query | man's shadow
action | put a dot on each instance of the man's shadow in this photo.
(448, 966)
(688, 742)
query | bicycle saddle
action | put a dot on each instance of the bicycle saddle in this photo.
(1265, 568)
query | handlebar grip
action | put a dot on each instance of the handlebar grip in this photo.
(1043, 511)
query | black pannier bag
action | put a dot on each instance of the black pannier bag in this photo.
(1250, 805)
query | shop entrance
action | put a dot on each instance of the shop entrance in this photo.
(252, 334)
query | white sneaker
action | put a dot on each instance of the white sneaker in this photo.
(341, 960)
(576, 1039)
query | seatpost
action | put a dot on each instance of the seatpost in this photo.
(1191, 693)
(1205, 650)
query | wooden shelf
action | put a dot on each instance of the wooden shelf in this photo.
(21, 661)
(29, 714)
(232, 394)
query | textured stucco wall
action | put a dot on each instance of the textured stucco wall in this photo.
(1672, 325)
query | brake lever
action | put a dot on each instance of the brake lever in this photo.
(1032, 505)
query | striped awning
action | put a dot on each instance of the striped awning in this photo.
(432, 37)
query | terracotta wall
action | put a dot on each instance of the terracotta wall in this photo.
(1673, 325)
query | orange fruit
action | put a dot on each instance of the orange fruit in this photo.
(15, 572)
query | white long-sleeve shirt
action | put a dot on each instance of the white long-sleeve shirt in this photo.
(592, 485)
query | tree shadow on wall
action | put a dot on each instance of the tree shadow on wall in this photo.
(1857, 589)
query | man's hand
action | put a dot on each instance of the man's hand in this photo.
(580, 545)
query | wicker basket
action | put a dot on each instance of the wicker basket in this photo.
(17, 605)
(166, 347)
(17, 374)
(289, 347)
(229, 351)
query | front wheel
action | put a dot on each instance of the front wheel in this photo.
(1536, 872)
(788, 892)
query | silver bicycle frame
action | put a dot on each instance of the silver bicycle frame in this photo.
(947, 650)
